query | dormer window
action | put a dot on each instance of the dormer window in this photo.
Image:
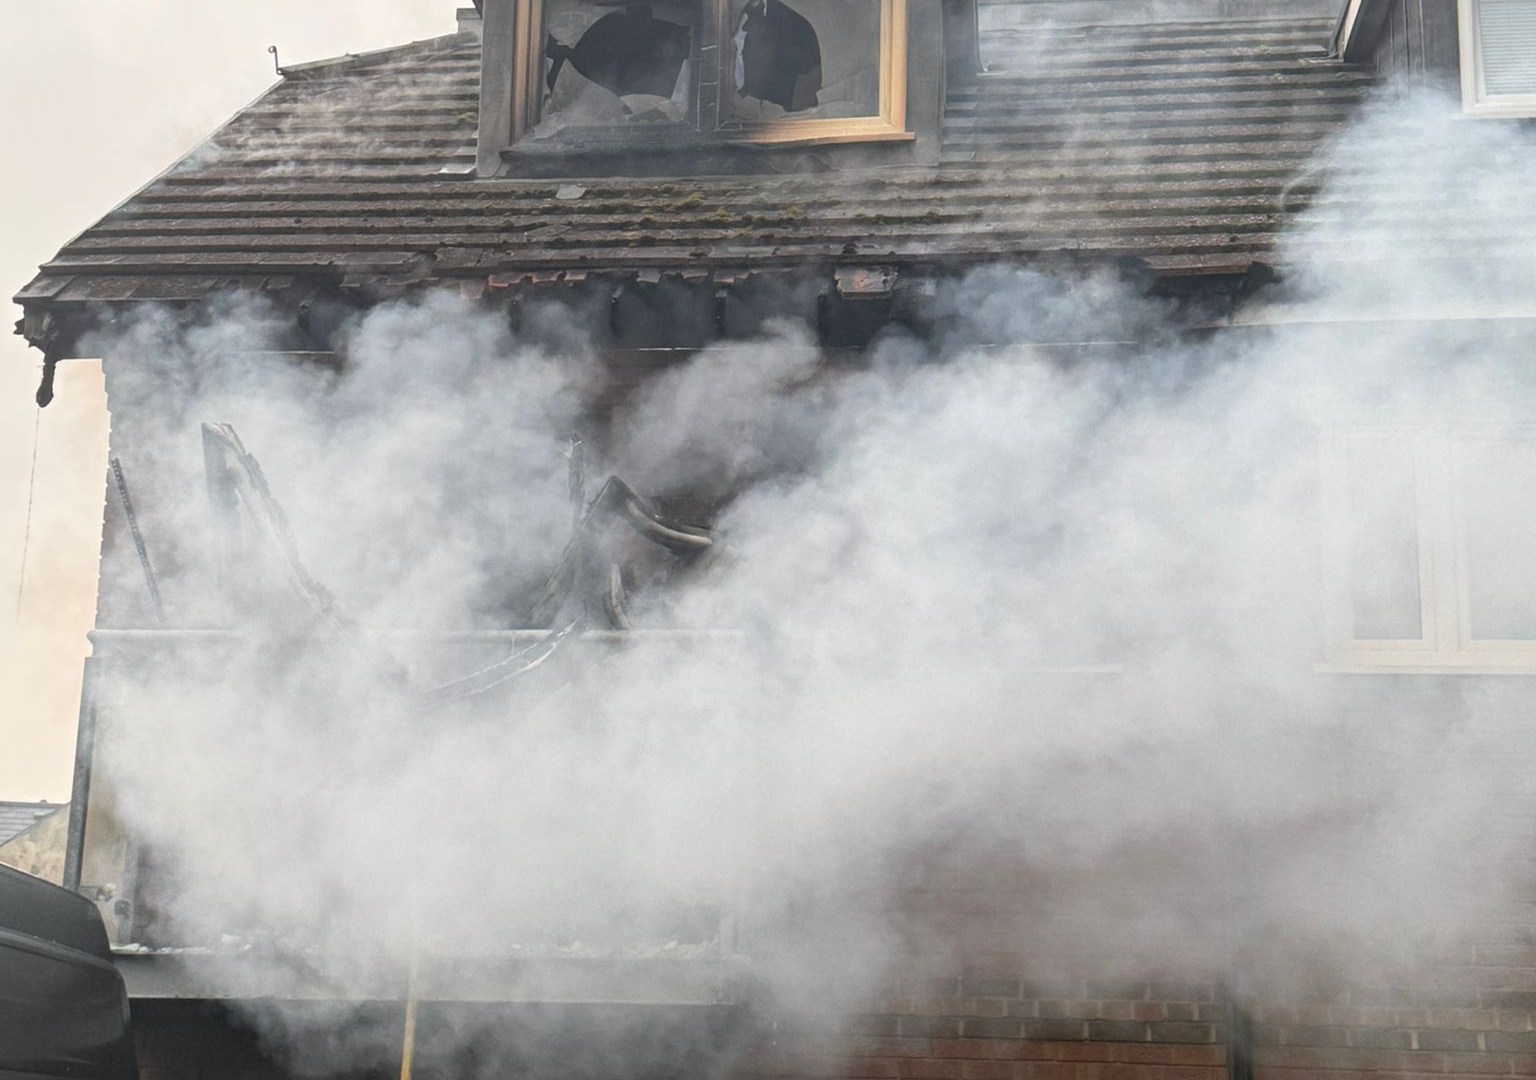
(814, 69)
(1498, 57)
(577, 79)
(614, 62)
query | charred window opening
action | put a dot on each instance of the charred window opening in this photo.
(810, 59)
(617, 62)
(778, 56)
(617, 84)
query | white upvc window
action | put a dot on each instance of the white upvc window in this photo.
(1431, 537)
(1498, 57)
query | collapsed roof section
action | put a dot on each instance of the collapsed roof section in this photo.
(1181, 147)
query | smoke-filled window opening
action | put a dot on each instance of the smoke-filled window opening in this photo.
(615, 63)
(632, 78)
(796, 67)
(1498, 57)
(1432, 545)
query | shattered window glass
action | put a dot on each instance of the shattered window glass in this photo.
(803, 59)
(612, 62)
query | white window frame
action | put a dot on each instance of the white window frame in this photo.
(1474, 101)
(1445, 644)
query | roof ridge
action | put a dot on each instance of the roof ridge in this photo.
(347, 61)
(1225, 25)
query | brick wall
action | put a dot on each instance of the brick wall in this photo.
(992, 1024)
(1472, 1013)
(979, 1024)
(999, 1028)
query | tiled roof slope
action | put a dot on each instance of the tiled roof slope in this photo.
(1177, 143)
(997, 13)
(17, 817)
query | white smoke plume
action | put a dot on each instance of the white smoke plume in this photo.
(1009, 632)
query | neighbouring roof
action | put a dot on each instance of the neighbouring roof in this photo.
(1182, 144)
(18, 817)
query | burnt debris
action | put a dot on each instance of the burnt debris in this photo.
(588, 588)
(590, 577)
(519, 664)
(151, 580)
(235, 482)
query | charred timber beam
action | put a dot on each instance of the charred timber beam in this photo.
(235, 482)
(80, 787)
(151, 582)
(585, 560)
(666, 307)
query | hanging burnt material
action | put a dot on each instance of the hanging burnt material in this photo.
(589, 578)
(778, 56)
(151, 581)
(515, 667)
(626, 52)
(235, 483)
(251, 531)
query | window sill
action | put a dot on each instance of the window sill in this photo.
(1519, 109)
(680, 154)
(673, 140)
(1453, 664)
(818, 133)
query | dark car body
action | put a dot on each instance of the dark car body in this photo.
(63, 1006)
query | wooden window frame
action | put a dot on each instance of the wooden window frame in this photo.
(510, 94)
(890, 119)
(1346, 32)
(1474, 101)
(1445, 644)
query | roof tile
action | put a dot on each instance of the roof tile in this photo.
(1181, 143)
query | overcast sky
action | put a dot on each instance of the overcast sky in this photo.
(96, 98)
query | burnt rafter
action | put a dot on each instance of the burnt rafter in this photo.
(587, 586)
(151, 579)
(519, 665)
(236, 483)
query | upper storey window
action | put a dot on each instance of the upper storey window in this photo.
(1498, 57)
(1432, 546)
(810, 68)
(586, 76)
(605, 63)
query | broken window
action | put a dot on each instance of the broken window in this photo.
(614, 62)
(603, 75)
(804, 59)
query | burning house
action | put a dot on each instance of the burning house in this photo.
(934, 539)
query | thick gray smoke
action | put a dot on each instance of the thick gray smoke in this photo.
(999, 619)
